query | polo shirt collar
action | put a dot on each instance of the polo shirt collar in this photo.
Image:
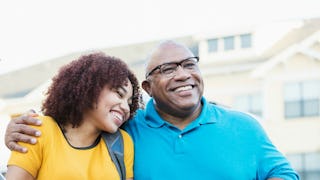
(152, 117)
(154, 120)
(208, 113)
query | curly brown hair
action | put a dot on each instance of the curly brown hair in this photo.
(77, 86)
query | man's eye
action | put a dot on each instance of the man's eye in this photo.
(168, 69)
(189, 65)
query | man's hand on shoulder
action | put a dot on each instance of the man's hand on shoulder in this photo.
(18, 130)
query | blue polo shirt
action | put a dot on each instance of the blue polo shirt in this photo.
(220, 144)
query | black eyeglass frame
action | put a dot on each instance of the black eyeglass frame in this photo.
(177, 63)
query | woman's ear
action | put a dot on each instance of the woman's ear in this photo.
(146, 87)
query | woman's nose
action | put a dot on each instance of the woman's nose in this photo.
(124, 105)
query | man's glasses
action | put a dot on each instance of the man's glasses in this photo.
(169, 69)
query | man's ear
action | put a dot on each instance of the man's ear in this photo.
(146, 86)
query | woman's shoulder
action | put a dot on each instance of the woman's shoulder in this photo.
(48, 124)
(125, 135)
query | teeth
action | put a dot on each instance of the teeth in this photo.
(184, 88)
(117, 115)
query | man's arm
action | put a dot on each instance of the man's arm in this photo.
(273, 164)
(19, 131)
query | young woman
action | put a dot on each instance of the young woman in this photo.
(92, 94)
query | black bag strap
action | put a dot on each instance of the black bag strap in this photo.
(114, 142)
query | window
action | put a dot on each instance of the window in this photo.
(249, 103)
(307, 164)
(245, 40)
(213, 45)
(302, 99)
(194, 49)
(228, 43)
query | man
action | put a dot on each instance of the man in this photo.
(180, 135)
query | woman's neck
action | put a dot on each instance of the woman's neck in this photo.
(81, 136)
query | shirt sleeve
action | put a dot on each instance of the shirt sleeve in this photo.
(30, 161)
(271, 162)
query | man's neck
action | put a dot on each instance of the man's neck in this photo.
(180, 121)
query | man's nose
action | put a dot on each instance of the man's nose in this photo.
(181, 72)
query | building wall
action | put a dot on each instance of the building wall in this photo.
(297, 138)
(223, 88)
(301, 134)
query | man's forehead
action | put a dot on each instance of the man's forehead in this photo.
(169, 52)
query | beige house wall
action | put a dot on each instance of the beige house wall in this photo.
(294, 135)
(223, 88)
(299, 135)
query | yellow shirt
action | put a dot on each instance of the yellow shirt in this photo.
(53, 158)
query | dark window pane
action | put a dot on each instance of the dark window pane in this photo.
(246, 40)
(213, 45)
(257, 113)
(228, 43)
(311, 107)
(249, 103)
(293, 109)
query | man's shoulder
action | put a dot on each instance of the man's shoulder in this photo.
(136, 119)
(231, 113)
(138, 116)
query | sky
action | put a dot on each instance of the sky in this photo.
(38, 30)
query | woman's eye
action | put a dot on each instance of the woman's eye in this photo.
(120, 94)
(130, 102)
